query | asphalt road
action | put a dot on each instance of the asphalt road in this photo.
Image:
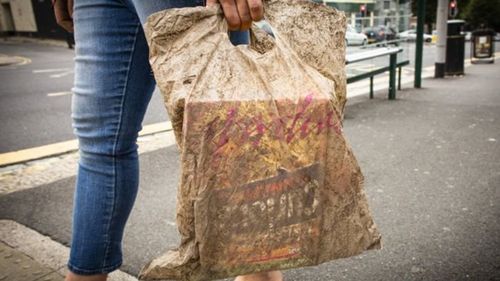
(35, 99)
(428, 58)
(432, 177)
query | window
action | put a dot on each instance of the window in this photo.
(387, 4)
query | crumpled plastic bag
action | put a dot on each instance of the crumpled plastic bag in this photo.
(268, 180)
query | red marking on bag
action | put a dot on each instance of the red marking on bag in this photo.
(243, 129)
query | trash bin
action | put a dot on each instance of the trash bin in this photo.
(483, 46)
(455, 48)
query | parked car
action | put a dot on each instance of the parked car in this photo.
(380, 33)
(411, 35)
(352, 37)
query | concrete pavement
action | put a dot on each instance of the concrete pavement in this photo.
(15, 265)
(430, 160)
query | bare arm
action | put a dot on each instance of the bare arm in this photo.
(63, 9)
(239, 13)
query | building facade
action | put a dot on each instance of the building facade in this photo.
(365, 13)
(35, 17)
(29, 18)
(394, 13)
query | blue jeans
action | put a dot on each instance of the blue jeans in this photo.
(113, 86)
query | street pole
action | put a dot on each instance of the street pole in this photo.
(441, 22)
(397, 16)
(420, 43)
(392, 76)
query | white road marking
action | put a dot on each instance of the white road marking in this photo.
(62, 74)
(58, 72)
(58, 94)
(52, 70)
(43, 249)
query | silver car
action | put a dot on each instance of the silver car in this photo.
(411, 35)
(352, 37)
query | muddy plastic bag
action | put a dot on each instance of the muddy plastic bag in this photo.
(268, 180)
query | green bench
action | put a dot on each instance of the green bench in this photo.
(393, 65)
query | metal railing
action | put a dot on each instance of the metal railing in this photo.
(384, 43)
(393, 64)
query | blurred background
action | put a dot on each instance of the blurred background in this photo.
(30, 36)
(429, 156)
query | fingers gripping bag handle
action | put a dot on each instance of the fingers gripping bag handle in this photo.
(182, 42)
(259, 131)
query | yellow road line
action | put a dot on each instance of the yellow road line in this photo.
(53, 149)
(44, 151)
(15, 60)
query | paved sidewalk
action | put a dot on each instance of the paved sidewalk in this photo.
(430, 160)
(27, 255)
(16, 266)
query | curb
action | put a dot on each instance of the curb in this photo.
(49, 256)
(55, 149)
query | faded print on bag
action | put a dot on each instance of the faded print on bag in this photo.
(264, 221)
(265, 213)
(268, 180)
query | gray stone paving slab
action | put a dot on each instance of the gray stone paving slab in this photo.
(432, 173)
(49, 253)
(16, 266)
(48, 209)
(54, 276)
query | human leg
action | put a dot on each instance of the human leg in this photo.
(113, 85)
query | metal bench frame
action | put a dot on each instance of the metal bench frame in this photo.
(393, 64)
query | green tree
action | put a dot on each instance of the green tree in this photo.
(483, 12)
(430, 12)
(462, 8)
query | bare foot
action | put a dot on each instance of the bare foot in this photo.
(264, 276)
(75, 277)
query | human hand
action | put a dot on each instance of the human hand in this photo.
(239, 14)
(63, 9)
